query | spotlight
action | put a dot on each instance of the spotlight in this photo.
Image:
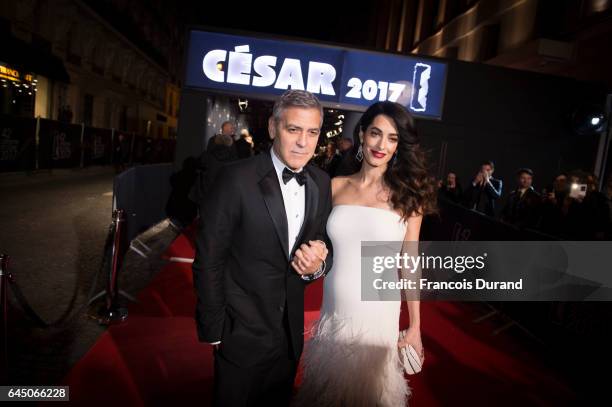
(588, 120)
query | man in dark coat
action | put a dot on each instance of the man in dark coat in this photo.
(523, 206)
(484, 190)
(261, 239)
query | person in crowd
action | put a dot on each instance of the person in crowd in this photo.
(553, 199)
(329, 161)
(244, 145)
(484, 190)
(596, 210)
(121, 153)
(522, 208)
(222, 144)
(578, 211)
(347, 164)
(261, 239)
(450, 189)
(220, 152)
(574, 217)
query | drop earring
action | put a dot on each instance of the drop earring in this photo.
(359, 155)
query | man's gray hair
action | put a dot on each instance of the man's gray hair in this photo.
(296, 98)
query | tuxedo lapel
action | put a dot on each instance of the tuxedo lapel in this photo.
(273, 197)
(311, 204)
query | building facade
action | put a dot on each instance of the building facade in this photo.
(110, 63)
(566, 38)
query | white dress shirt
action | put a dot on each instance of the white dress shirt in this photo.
(294, 199)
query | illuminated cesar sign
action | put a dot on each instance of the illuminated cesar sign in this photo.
(241, 65)
(349, 78)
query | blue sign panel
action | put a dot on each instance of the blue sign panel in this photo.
(348, 78)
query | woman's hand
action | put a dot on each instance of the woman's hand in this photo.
(413, 337)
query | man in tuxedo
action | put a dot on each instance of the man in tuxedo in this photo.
(523, 206)
(484, 190)
(261, 240)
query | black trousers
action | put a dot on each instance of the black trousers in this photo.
(268, 383)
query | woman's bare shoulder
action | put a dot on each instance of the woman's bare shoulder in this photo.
(339, 182)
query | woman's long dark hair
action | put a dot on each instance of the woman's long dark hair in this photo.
(413, 189)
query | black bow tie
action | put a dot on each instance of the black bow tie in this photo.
(300, 177)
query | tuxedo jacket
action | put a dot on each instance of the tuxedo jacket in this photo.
(242, 273)
(522, 211)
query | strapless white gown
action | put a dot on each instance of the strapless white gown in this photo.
(352, 358)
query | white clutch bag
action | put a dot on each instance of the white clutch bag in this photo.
(409, 358)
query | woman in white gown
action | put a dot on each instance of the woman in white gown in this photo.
(352, 358)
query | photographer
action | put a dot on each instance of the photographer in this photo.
(484, 190)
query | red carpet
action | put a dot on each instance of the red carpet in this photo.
(156, 359)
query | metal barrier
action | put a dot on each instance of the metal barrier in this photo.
(112, 312)
(28, 144)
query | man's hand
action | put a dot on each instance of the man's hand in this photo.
(308, 258)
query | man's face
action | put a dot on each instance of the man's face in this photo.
(228, 129)
(295, 135)
(451, 178)
(487, 169)
(525, 180)
(560, 183)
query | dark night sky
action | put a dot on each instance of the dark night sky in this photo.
(334, 21)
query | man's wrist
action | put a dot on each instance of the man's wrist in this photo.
(320, 271)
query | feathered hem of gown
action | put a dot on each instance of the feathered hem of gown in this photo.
(345, 367)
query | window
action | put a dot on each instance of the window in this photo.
(489, 42)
